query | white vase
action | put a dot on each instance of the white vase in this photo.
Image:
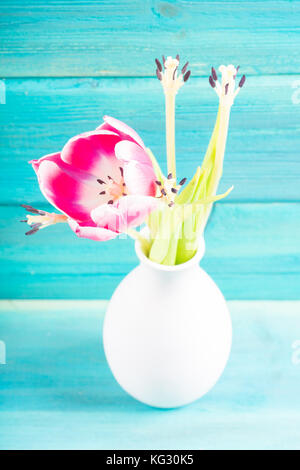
(167, 332)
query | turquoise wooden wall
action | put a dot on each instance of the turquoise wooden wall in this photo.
(64, 64)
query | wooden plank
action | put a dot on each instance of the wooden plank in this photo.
(253, 252)
(57, 392)
(113, 38)
(262, 162)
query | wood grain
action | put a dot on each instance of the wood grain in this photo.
(252, 252)
(57, 391)
(113, 38)
(94, 58)
(262, 157)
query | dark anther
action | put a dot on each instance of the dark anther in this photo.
(110, 202)
(163, 192)
(177, 57)
(31, 232)
(171, 204)
(237, 69)
(158, 74)
(23, 220)
(226, 88)
(169, 176)
(158, 183)
(32, 209)
(211, 82)
(102, 192)
(184, 68)
(174, 190)
(242, 81)
(182, 182)
(214, 74)
(174, 73)
(121, 171)
(164, 60)
(101, 181)
(109, 177)
(34, 229)
(187, 76)
(159, 66)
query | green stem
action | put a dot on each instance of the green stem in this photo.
(145, 244)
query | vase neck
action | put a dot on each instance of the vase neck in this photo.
(192, 263)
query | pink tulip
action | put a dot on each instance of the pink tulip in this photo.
(102, 180)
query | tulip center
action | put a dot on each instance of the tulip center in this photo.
(113, 189)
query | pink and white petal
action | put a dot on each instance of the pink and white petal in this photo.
(129, 211)
(127, 151)
(123, 130)
(54, 157)
(97, 234)
(139, 179)
(70, 195)
(93, 153)
(109, 217)
(135, 209)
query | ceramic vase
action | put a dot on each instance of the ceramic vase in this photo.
(167, 332)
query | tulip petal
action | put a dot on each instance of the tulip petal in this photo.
(97, 234)
(109, 217)
(135, 209)
(127, 151)
(123, 130)
(130, 211)
(140, 179)
(55, 157)
(68, 194)
(93, 153)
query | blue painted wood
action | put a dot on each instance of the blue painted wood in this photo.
(252, 249)
(253, 252)
(113, 38)
(57, 392)
(261, 159)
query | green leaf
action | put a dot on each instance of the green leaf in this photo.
(186, 195)
(160, 244)
(156, 167)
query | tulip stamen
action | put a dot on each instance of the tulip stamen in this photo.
(171, 81)
(41, 219)
(184, 68)
(226, 91)
(34, 229)
(32, 209)
(169, 189)
(115, 189)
